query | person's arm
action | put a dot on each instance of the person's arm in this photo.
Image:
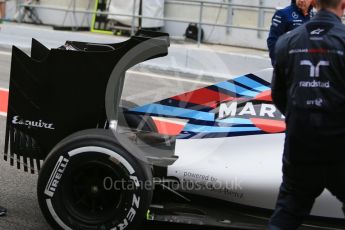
(278, 28)
(279, 79)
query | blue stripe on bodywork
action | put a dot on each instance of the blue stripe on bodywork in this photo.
(213, 129)
(263, 88)
(236, 89)
(174, 112)
(251, 83)
(192, 135)
(235, 121)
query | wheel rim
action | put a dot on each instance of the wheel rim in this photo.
(85, 196)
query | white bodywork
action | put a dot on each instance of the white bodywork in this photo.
(245, 170)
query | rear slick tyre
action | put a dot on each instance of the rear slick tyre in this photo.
(89, 181)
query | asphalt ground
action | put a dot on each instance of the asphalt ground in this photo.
(5, 60)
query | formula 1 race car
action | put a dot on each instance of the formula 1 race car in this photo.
(210, 157)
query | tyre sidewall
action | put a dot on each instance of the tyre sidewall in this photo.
(56, 170)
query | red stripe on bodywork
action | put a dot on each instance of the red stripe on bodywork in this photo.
(204, 97)
(269, 126)
(168, 128)
(264, 96)
(3, 101)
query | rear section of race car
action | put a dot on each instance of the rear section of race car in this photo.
(62, 105)
(64, 109)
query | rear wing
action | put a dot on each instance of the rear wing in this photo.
(56, 92)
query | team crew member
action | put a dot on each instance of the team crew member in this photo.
(288, 19)
(308, 87)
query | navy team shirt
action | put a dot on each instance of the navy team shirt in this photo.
(285, 20)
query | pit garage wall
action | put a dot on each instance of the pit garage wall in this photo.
(60, 18)
(214, 14)
(211, 14)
